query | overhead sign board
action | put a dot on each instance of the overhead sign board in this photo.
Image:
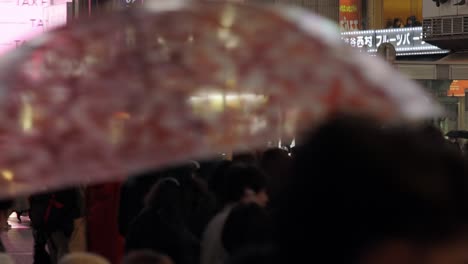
(407, 41)
(20, 20)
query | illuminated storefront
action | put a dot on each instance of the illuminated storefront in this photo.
(378, 14)
(407, 41)
(20, 20)
(440, 71)
(350, 15)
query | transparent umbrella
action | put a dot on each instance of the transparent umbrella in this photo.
(103, 97)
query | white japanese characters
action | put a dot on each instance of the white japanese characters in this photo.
(404, 40)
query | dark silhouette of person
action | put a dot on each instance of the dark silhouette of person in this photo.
(162, 226)
(364, 194)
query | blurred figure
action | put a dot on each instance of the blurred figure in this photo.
(132, 195)
(52, 219)
(217, 183)
(207, 167)
(244, 184)
(248, 225)
(397, 23)
(465, 149)
(410, 21)
(81, 258)
(162, 226)
(254, 255)
(79, 237)
(5, 207)
(276, 163)
(389, 23)
(202, 205)
(146, 257)
(20, 206)
(362, 194)
(455, 144)
(248, 158)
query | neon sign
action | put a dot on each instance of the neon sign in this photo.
(350, 15)
(21, 20)
(407, 41)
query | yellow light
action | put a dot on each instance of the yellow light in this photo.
(227, 18)
(27, 114)
(231, 82)
(7, 175)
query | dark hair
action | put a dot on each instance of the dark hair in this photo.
(242, 177)
(366, 185)
(246, 225)
(166, 192)
(217, 182)
(264, 254)
(276, 163)
(389, 23)
(396, 21)
(145, 257)
(6, 204)
(245, 158)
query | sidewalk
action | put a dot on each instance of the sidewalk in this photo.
(18, 241)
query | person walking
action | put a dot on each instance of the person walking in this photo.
(244, 184)
(52, 218)
(162, 226)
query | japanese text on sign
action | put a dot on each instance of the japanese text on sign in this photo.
(407, 39)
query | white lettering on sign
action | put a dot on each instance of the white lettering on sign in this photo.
(405, 40)
(21, 20)
(32, 2)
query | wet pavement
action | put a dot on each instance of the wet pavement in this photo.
(18, 241)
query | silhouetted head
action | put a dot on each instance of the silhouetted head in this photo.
(146, 257)
(276, 163)
(248, 158)
(82, 257)
(397, 23)
(246, 183)
(217, 181)
(247, 225)
(363, 194)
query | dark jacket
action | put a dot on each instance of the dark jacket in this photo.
(55, 211)
(159, 231)
(132, 195)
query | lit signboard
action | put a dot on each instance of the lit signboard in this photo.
(407, 41)
(20, 20)
(350, 15)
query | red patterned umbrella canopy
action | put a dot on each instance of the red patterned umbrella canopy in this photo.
(103, 97)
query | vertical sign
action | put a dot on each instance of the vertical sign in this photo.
(350, 15)
(20, 20)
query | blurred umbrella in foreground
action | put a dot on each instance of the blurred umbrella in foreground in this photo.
(142, 88)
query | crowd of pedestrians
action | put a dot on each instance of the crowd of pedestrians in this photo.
(351, 192)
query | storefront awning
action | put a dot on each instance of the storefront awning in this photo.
(451, 67)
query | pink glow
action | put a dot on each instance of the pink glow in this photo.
(21, 20)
